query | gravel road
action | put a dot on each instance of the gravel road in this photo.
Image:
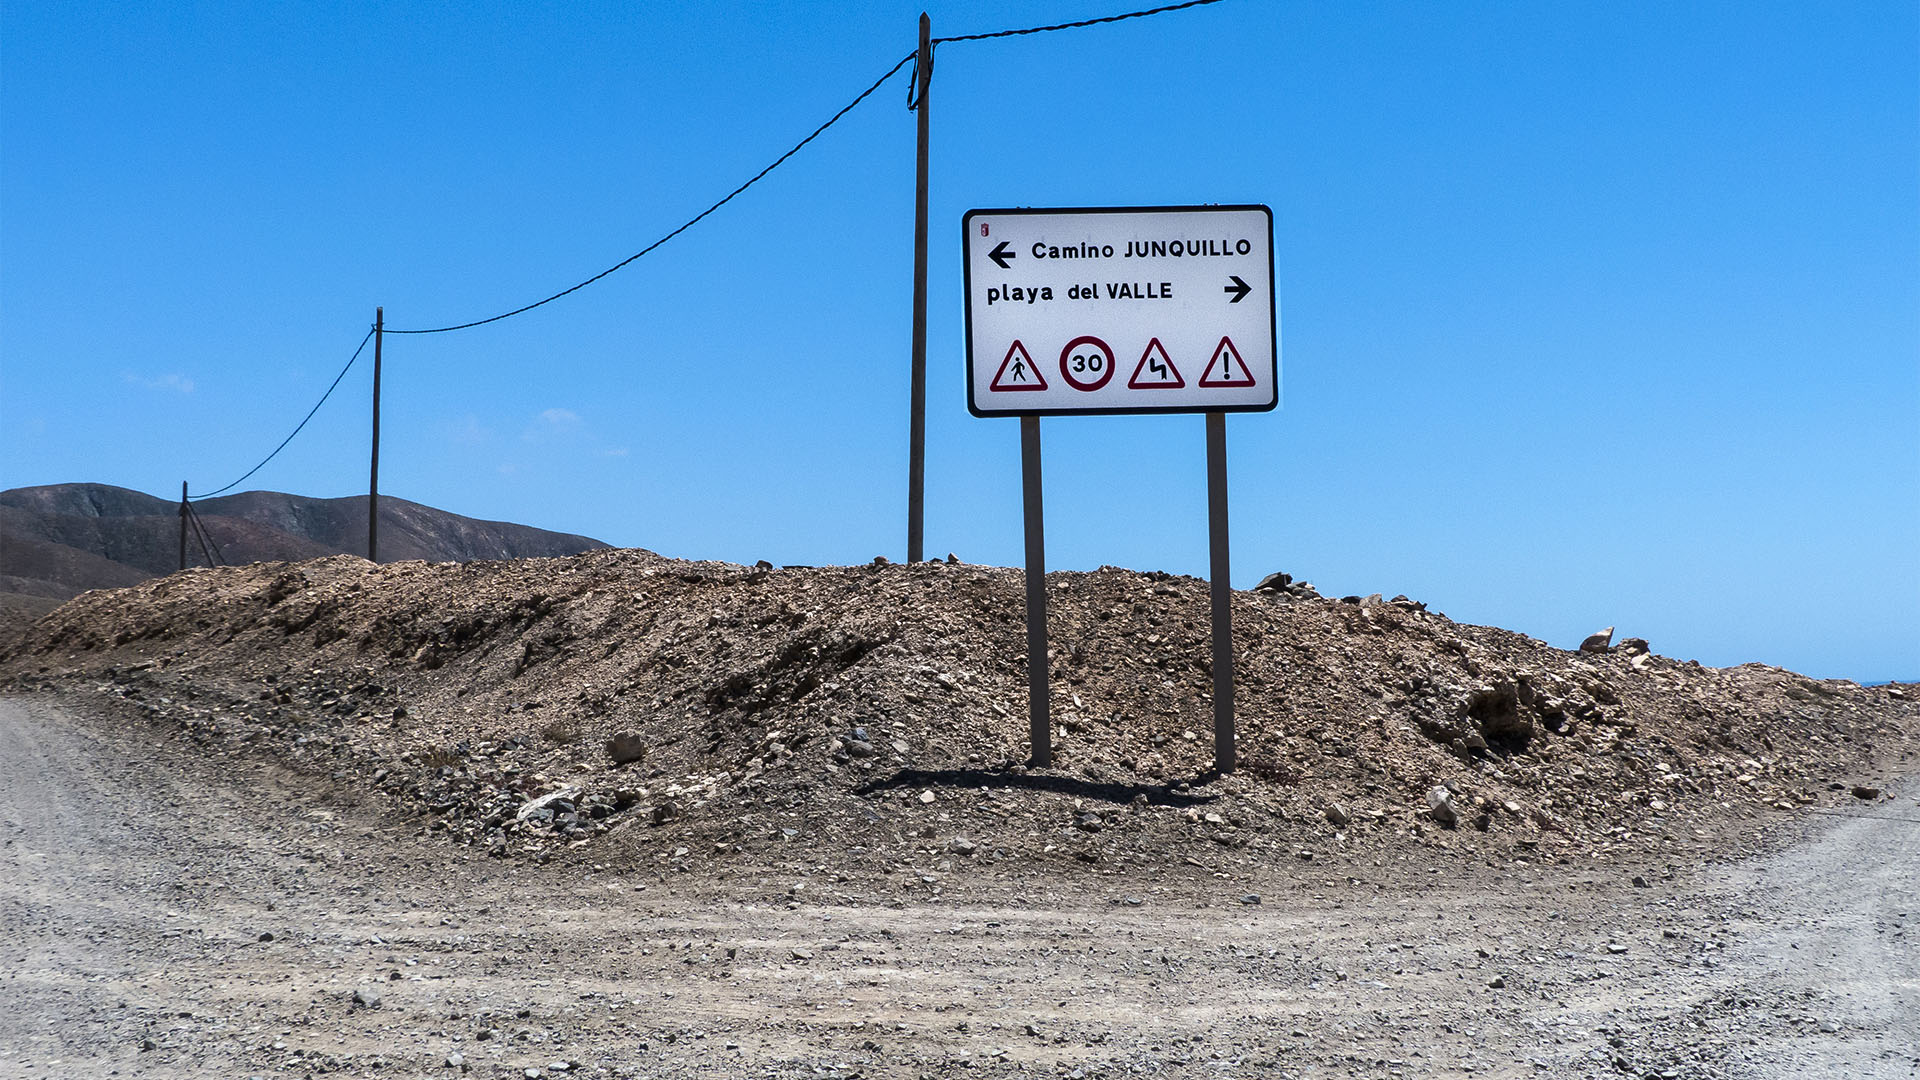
(163, 913)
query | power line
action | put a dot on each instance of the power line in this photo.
(781, 160)
(214, 556)
(1077, 25)
(200, 535)
(297, 427)
(697, 218)
(777, 162)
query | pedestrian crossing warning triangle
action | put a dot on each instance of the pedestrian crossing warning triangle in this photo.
(1018, 372)
(1226, 368)
(1156, 370)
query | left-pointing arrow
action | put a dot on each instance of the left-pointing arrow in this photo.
(1239, 289)
(1000, 254)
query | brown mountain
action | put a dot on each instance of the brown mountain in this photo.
(60, 540)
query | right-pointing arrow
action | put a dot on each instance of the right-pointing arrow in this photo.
(1239, 289)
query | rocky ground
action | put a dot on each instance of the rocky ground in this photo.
(166, 913)
(714, 757)
(873, 719)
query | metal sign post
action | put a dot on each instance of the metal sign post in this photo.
(1039, 712)
(1220, 586)
(1115, 310)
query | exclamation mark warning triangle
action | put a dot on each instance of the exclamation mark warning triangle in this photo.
(1017, 372)
(1226, 368)
(1156, 370)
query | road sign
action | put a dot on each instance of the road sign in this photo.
(1018, 372)
(1155, 369)
(1082, 291)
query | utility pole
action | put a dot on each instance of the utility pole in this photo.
(917, 425)
(373, 481)
(183, 524)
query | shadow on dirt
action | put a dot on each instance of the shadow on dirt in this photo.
(1156, 794)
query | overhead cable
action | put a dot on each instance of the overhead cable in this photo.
(1078, 24)
(691, 222)
(297, 427)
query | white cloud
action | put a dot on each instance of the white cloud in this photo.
(173, 380)
(560, 417)
(468, 431)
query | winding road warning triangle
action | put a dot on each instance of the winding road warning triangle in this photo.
(1156, 370)
(1226, 368)
(1018, 372)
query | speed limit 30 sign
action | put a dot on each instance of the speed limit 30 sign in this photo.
(1121, 310)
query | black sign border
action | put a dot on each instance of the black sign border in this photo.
(1273, 307)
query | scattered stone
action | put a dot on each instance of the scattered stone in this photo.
(1616, 948)
(1090, 822)
(549, 801)
(1496, 708)
(1597, 643)
(1498, 982)
(1440, 806)
(626, 747)
(1250, 898)
(1639, 882)
(455, 1061)
(367, 997)
(1276, 582)
(1633, 646)
(1337, 815)
(927, 796)
(1862, 791)
(267, 936)
(960, 845)
(802, 955)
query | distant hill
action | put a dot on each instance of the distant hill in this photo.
(60, 540)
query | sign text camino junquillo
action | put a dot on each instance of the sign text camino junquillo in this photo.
(1121, 310)
(1154, 309)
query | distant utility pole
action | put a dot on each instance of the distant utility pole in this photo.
(183, 524)
(373, 481)
(917, 425)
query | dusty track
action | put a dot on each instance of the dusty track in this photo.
(136, 882)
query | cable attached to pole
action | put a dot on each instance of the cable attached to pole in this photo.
(1077, 25)
(691, 222)
(913, 103)
(219, 556)
(200, 534)
(297, 427)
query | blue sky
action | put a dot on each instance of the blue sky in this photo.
(1591, 313)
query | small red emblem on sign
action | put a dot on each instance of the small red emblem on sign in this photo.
(1226, 368)
(1156, 370)
(1017, 372)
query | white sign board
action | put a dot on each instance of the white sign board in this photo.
(1121, 310)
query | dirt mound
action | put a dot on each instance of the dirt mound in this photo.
(873, 718)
